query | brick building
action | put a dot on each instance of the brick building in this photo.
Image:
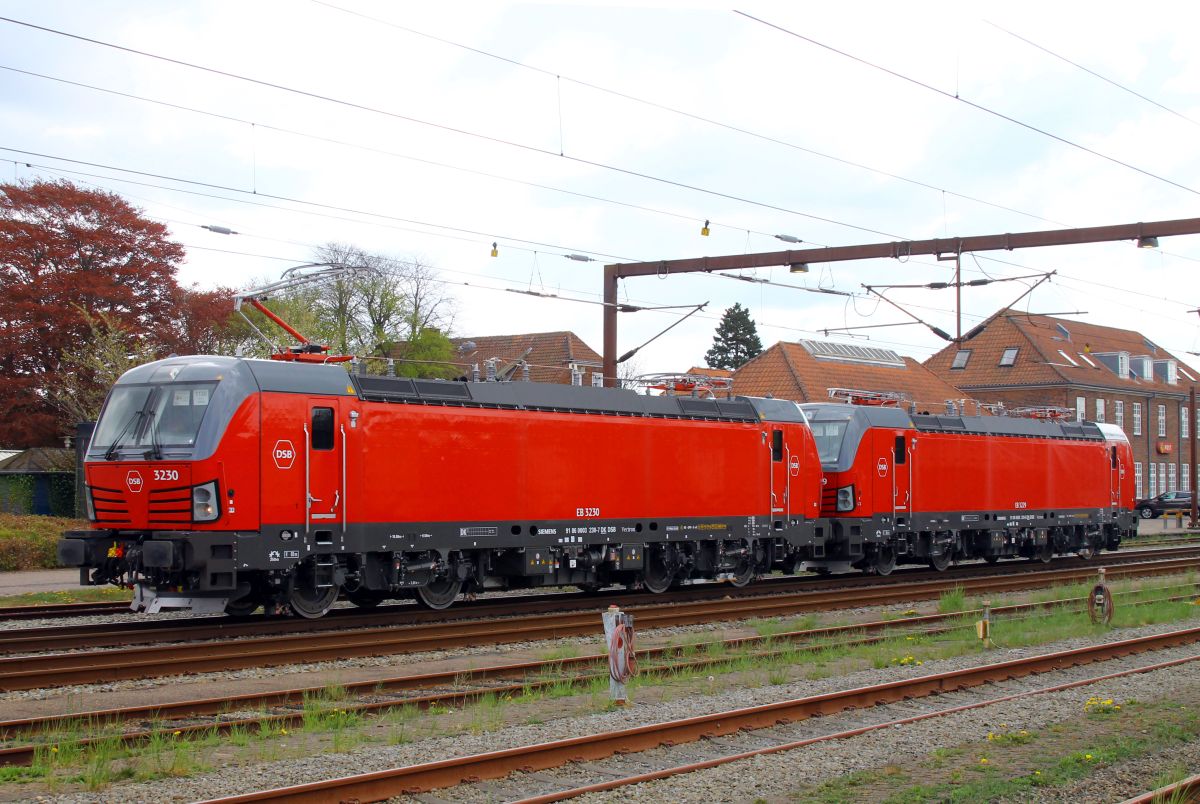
(805, 371)
(1103, 374)
(551, 356)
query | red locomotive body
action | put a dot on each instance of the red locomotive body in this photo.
(922, 488)
(226, 483)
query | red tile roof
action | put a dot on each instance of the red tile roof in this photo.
(791, 371)
(1055, 351)
(549, 354)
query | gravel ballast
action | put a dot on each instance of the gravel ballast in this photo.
(767, 776)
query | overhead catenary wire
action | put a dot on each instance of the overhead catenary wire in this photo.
(979, 106)
(334, 207)
(684, 113)
(474, 240)
(363, 107)
(403, 156)
(375, 150)
(1093, 73)
(258, 203)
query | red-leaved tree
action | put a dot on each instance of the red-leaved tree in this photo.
(67, 255)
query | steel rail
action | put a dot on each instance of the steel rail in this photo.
(768, 585)
(533, 676)
(1185, 791)
(385, 784)
(145, 631)
(58, 669)
(39, 611)
(612, 784)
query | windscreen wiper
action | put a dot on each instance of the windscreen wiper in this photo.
(112, 450)
(155, 447)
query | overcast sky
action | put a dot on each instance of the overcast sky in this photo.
(556, 129)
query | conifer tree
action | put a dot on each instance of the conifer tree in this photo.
(736, 340)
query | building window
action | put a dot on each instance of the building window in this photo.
(1119, 413)
(1152, 491)
(1162, 421)
(1171, 477)
(1086, 359)
(961, 358)
(1080, 408)
(1068, 358)
(1137, 418)
(1184, 420)
(1185, 476)
(1010, 356)
(1137, 479)
(1100, 410)
(1123, 365)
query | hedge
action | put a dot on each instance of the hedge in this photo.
(28, 542)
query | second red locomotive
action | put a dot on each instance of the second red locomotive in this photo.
(940, 488)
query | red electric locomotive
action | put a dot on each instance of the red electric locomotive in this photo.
(220, 483)
(925, 488)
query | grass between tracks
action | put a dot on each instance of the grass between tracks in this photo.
(697, 665)
(1008, 763)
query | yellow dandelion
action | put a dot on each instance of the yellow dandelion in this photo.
(1037, 773)
(1118, 706)
(1004, 725)
(177, 732)
(1087, 756)
(991, 736)
(283, 731)
(983, 761)
(910, 639)
(54, 750)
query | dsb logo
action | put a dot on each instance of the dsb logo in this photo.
(284, 454)
(133, 481)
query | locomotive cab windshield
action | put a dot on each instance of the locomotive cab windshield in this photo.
(150, 418)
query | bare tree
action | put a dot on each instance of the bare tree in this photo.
(87, 372)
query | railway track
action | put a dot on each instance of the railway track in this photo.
(131, 662)
(338, 617)
(428, 776)
(1185, 791)
(456, 688)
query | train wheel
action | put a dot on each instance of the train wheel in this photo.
(657, 576)
(939, 561)
(306, 598)
(1046, 554)
(884, 560)
(744, 575)
(439, 594)
(1087, 551)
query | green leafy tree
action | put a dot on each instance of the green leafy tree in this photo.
(736, 340)
(385, 308)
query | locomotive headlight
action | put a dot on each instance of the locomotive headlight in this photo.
(845, 498)
(204, 505)
(89, 504)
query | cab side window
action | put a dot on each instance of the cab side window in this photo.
(322, 428)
